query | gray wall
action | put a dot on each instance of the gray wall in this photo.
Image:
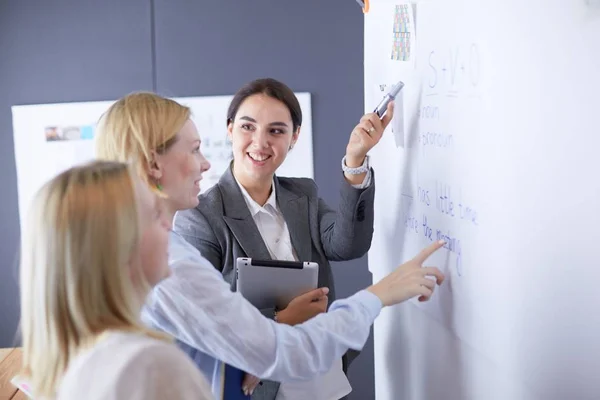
(79, 50)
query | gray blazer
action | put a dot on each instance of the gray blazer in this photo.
(223, 229)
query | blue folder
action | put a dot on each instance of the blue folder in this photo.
(232, 389)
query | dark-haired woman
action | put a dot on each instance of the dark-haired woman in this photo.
(251, 212)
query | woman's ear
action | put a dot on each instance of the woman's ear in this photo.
(295, 138)
(154, 167)
(230, 131)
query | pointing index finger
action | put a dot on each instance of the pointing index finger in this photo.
(428, 251)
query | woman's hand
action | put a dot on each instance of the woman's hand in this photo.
(365, 135)
(410, 279)
(304, 307)
(249, 384)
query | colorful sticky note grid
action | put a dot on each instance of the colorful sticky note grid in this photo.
(401, 50)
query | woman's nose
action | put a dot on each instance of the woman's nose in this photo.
(261, 139)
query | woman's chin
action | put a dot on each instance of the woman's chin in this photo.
(260, 174)
(193, 203)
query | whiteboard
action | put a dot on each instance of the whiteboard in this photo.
(50, 138)
(494, 147)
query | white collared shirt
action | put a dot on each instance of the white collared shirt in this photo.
(272, 226)
(333, 385)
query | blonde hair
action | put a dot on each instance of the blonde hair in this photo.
(75, 268)
(136, 126)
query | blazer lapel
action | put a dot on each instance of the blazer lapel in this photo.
(239, 220)
(295, 212)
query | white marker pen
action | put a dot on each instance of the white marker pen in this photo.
(382, 107)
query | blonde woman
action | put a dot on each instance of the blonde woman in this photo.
(94, 244)
(195, 305)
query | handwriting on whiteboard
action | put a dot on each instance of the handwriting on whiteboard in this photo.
(434, 136)
(443, 200)
(454, 70)
(424, 228)
(439, 211)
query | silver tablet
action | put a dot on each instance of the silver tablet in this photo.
(273, 283)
